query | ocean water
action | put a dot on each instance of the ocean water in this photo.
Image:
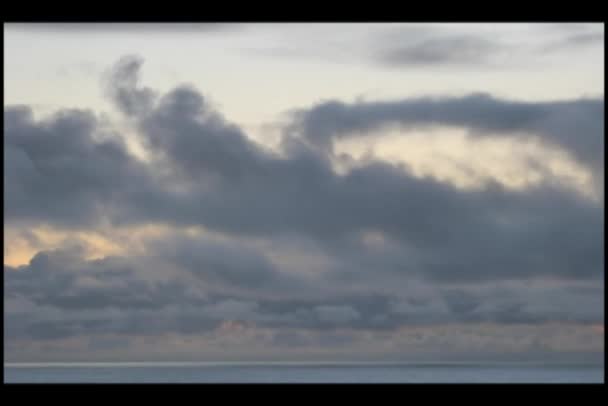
(300, 373)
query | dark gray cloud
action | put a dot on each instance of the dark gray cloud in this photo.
(120, 313)
(196, 139)
(574, 36)
(229, 266)
(584, 39)
(518, 303)
(58, 172)
(122, 87)
(437, 47)
(68, 282)
(440, 46)
(68, 171)
(59, 294)
(576, 125)
(61, 169)
(464, 50)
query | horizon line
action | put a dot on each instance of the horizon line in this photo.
(127, 364)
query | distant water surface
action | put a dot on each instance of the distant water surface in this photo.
(299, 373)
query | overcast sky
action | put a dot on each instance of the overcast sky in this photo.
(303, 192)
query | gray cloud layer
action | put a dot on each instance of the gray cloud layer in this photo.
(464, 50)
(59, 294)
(576, 125)
(436, 47)
(67, 171)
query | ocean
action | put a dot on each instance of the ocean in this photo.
(299, 373)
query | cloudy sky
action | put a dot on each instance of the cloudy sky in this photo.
(303, 192)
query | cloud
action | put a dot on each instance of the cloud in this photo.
(232, 310)
(576, 125)
(57, 315)
(195, 139)
(463, 50)
(574, 36)
(228, 264)
(60, 169)
(121, 84)
(393, 247)
(583, 39)
(68, 295)
(452, 46)
(59, 172)
(337, 314)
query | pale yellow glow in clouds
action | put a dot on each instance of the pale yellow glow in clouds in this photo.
(451, 156)
(18, 250)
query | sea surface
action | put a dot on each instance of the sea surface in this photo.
(299, 373)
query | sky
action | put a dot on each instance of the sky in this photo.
(304, 192)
